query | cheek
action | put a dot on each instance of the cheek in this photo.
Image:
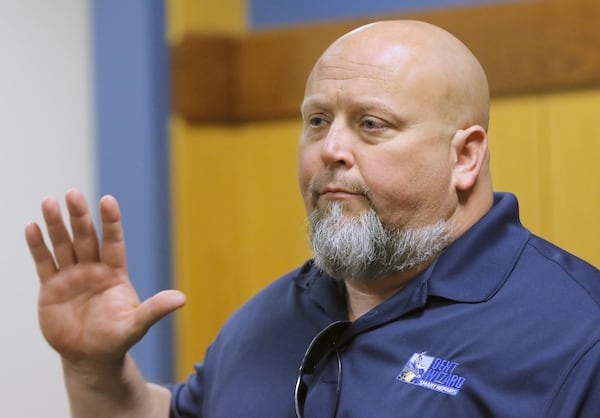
(308, 166)
(388, 176)
(405, 192)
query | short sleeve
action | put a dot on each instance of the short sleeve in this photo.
(187, 398)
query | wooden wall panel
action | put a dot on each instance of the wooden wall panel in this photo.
(238, 221)
(545, 149)
(193, 16)
(205, 84)
(517, 164)
(571, 133)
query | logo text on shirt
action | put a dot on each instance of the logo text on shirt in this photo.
(432, 373)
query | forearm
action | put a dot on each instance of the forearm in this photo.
(114, 392)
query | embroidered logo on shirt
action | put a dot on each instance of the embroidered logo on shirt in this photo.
(432, 373)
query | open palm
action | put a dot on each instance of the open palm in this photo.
(88, 309)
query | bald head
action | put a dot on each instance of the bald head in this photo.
(398, 111)
(450, 79)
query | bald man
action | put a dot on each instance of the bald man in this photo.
(426, 297)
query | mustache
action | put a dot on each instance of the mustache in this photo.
(328, 178)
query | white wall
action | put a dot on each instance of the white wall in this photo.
(46, 147)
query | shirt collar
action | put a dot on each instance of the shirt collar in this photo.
(476, 265)
(328, 293)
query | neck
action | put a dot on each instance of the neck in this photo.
(364, 295)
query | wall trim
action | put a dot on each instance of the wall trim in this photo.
(525, 47)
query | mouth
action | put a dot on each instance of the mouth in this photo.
(330, 186)
(336, 193)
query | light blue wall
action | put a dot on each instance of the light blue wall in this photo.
(269, 13)
(131, 99)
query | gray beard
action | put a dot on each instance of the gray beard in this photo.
(363, 248)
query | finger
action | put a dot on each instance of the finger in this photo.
(42, 257)
(113, 251)
(158, 306)
(85, 240)
(58, 234)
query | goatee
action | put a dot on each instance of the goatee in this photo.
(362, 247)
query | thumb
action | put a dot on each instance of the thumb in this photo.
(158, 306)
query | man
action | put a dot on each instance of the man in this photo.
(426, 297)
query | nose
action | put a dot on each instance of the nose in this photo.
(336, 147)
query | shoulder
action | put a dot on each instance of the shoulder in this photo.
(547, 260)
(278, 299)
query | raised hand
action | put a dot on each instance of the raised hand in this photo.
(88, 310)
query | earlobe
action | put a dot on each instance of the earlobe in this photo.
(470, 149)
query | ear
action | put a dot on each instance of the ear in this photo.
(470, 149)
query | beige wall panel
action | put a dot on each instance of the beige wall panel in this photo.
(206, 234)
(546, 148)
(207, 198)
(239, 222)
(195, 16)
(517, 164)
(571, 132)
(274, 223)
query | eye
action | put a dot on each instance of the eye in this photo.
(373, 124)
(316, 121)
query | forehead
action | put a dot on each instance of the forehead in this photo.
(366, 75)
(354, 60)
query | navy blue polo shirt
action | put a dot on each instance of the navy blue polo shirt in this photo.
(502, 324)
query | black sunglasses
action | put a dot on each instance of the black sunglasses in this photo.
(325, 342)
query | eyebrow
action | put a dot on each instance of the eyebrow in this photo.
(369, 105)
(313, 102)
